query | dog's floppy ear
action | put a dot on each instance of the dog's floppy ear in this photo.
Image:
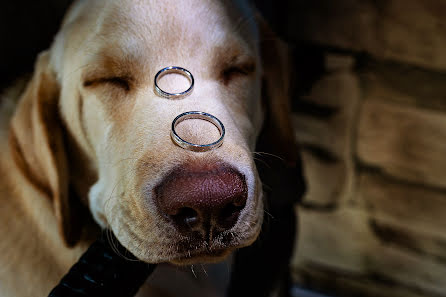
(255, 273)
(37, 143)
(277, 137)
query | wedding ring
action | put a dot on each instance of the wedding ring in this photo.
(173, 69)
(192, 146)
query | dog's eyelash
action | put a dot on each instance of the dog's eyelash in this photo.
(233, 71)
(121, 82)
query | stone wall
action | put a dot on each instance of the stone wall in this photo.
(371, 118)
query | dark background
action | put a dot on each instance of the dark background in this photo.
(26, 28)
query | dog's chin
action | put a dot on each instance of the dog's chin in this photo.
(202, 257)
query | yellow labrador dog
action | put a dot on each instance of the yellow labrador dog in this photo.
(88, 144)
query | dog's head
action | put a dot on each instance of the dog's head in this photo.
(90, 120)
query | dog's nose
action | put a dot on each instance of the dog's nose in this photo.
(202, 197)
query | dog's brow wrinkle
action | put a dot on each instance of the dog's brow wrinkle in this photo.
(114, 62)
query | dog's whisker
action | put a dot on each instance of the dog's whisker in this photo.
(262, 161)
(111, 196)
(193, 271)
(110, 238)
(268, 154)
(115, 244)
(69, 74)
(204, 270)
(269, 214)
(112, 243)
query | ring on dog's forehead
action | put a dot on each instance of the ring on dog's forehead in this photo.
(192, 146)
(173, 69)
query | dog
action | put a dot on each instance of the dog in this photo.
(86, 145)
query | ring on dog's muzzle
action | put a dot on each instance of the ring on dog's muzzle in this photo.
(173, 69)
(202, 116)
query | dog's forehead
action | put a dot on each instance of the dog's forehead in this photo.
(182, 15)
(159, 31)
(178, 23)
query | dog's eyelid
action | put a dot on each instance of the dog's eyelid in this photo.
(238, 69)
(245, 68)
(123, 82)
(242, 63)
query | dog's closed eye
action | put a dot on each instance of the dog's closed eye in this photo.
(116, 81)
(232, 72)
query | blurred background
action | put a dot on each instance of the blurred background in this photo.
(369, 108)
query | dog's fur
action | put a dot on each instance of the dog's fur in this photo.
(89, 135)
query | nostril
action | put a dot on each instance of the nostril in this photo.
(229, 214)
(186, 217)
(240, 201)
